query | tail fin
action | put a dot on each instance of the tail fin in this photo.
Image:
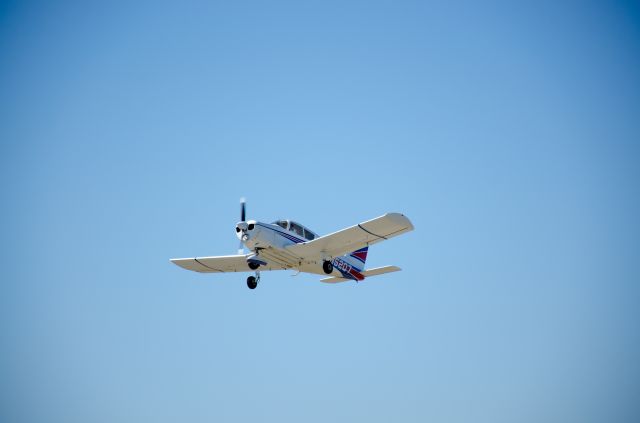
(358, 258)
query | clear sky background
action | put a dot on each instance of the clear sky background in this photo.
(508, 133)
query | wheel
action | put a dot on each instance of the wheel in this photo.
(327, 267)
(251, 282)
(253, 266)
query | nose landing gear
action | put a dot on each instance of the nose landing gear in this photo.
(252, 281)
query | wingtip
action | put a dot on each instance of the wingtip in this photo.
(400, 218)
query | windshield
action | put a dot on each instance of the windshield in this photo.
(281, 223)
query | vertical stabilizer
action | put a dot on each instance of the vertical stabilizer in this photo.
(358, 258)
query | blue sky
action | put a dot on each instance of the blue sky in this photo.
(508, 133)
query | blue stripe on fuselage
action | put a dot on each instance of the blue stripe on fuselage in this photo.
(284, 234)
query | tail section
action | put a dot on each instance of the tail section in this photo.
(351, 265)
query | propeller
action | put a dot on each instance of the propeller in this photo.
(243, 216)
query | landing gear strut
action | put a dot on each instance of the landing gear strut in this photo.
(327, 266)
(252, 281)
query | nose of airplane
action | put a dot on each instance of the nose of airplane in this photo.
(244, 229)
(241, 230)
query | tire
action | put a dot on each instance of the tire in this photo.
(327, 266)
(253, 266)
(251, 282)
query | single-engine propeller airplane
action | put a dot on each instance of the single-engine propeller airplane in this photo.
(285, 244)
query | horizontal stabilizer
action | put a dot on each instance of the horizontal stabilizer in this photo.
(380, 270)
(370, 272)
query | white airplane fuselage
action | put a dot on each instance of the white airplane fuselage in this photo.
(257, 235)
(268, 242)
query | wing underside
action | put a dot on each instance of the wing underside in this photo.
(219, 264)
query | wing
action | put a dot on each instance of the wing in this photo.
(353, 238)
(219, 264)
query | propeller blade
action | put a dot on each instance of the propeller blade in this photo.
(243, 217)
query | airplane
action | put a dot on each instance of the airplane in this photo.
(285, 244)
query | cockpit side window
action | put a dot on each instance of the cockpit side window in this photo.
(309, 235)
(297, 229)
(282, 224)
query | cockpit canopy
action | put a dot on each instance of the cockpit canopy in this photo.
(296, 228)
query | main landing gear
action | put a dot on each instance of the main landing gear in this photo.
(327, 266)
(252, 281)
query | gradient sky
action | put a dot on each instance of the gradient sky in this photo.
(508, 133)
